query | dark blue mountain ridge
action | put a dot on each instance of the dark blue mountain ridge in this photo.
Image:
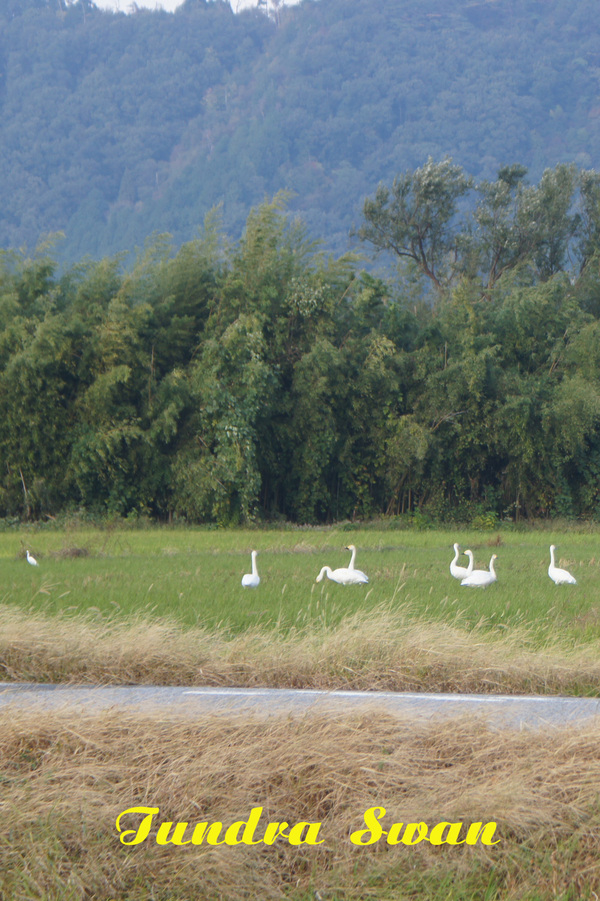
(116, 126)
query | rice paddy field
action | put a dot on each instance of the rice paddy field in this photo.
(166, 605)
(193, 577)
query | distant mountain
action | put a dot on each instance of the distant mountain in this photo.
(114, 126)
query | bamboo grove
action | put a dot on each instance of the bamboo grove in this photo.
(262, 379)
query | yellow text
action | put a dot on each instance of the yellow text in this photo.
(242, 832)
(443, 833)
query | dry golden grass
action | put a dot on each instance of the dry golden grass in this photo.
(381, 649)
(65, 779)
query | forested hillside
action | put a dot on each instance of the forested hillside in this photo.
(260, 378)
(115, 126)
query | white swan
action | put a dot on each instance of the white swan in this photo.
(344, 575)
(461, 572)
(31, 559)
(559, 576)
(351, 547)
(252, 580)
(481, 578)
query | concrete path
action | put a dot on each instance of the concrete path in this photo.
(508, 710)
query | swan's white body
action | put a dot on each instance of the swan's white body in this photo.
(461, 572)
(344, 576)
(351, 564)
(31, 559)
(481, 578)
(559, 576)
(252, 580)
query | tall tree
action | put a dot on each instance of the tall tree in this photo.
(417, 218)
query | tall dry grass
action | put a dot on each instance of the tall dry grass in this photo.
(66, 779)
(381, 649)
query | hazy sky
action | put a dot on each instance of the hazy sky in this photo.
(124, 5)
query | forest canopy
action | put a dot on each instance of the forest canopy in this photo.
(235, 380)
(114, 126)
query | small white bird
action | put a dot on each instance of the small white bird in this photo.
(559, 576)
(481, 578)
(31, 559)
(461, 572)
(252, 580)
(344, 575)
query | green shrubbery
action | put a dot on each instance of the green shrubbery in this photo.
(263, 380)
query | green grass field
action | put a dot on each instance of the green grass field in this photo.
(193, 576)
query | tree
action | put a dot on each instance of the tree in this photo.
(589, 243)
(216, 476)
(416, 219)
(552, 223)
(500, 242)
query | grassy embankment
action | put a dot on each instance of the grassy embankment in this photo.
(65, 781)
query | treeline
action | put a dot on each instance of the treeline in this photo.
(113, 126)
(262, 379)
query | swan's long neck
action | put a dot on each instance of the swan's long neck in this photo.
(470, 556)
(492, 570)
(351, 564)
(254, 569)
(455, 553)
(552, 563)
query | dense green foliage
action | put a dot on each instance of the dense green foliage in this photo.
(230, 380)
(113, 126)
